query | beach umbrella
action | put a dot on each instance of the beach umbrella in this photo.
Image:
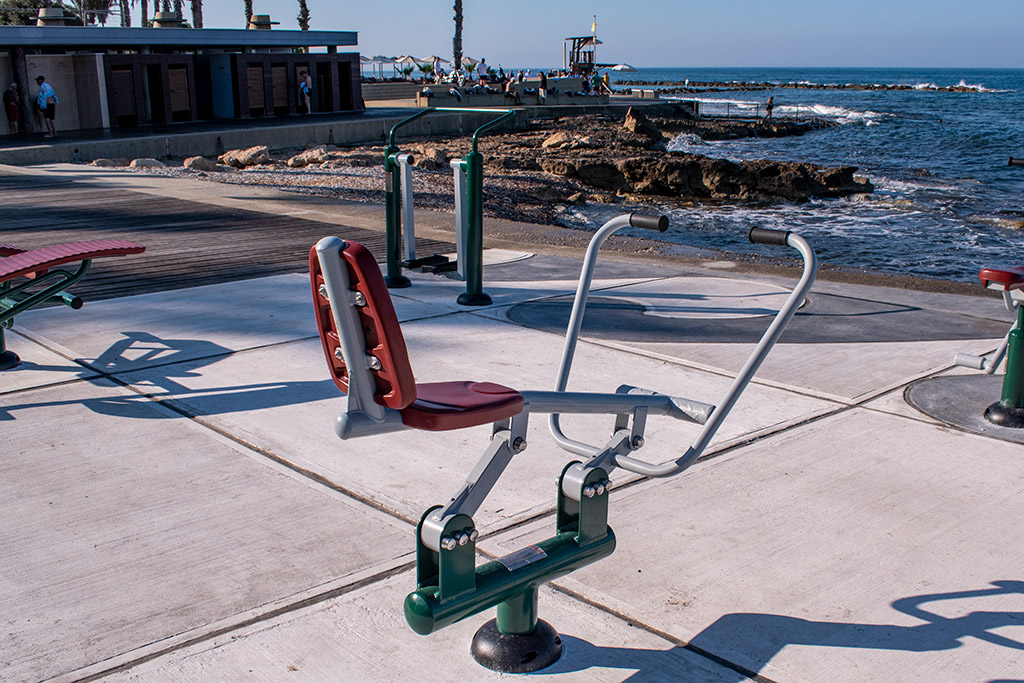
(377, 64)
(623, 67)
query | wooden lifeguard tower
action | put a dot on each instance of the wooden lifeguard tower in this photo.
(579, 54)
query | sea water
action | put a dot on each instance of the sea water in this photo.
(946, 202)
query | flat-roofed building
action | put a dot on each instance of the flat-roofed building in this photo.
(127, 77)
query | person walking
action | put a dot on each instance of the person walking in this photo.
(11, 101)
(306, 89)
(542, 91)
(769, 105)
(481, 72)
(46, 105)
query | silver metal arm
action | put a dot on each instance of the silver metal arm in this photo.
(991, 362)
(572, 333)
(768, 340)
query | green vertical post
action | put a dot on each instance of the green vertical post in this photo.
(474, 295)
(1013, 382)
(393, 207)
(518, 615)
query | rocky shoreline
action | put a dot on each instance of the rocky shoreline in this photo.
(694, 87)
(534, 173)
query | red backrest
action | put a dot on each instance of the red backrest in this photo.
(382, 335)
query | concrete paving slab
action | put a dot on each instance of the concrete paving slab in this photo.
(440, 291)
(849, 549)
(202, 322)
(838, 372)
(980, 304)
(362, 636)
(39, 366)
(280, 399)
(126, 529)
(895, 401)
(838, 347)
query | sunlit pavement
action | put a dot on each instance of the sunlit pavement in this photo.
(178, 508)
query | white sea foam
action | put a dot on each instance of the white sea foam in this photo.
(724, 107)
(684, 142)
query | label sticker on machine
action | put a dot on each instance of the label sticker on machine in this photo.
(521, 558)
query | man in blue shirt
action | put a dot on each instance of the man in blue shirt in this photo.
(46, 105)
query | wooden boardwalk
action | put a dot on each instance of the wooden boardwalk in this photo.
(187, 243)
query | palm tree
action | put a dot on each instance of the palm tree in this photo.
(144, 19)
(457, 41)
(177, 8)
(248, 12)
(167, 6)
(126, 13)
(303, 15)
(197, 13)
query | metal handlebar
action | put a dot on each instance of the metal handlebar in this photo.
(641, 220)
(766, 236)
(746, 373)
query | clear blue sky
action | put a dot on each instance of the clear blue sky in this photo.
(897, 33)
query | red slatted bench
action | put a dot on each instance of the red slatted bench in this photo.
(42, 280)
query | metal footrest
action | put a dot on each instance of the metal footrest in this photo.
(446, 267)
(435, 260)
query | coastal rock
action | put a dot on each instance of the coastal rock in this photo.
(558, 167)
(693, 175)
(316, 155)
(637, 123)
(601, 174)
(243, 158)
(545, 193)
(431, 159)
(558, 140)
(111, 163)
(147, 163)
(205, 165)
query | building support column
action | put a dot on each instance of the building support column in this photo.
(27, 111)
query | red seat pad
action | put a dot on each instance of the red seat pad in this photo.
(27, 263)
(440, 406)
(1009, 278)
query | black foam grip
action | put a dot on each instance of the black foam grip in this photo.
(640, 220)
(766, 236)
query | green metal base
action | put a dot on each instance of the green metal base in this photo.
(399, 282)
(8, 360)
(481, 299)
(516, 653)
(1000, 415)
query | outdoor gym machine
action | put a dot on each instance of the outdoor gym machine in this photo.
(469, 218)
(367, 357)
(1008, 411)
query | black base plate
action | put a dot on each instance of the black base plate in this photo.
(8, 360)
(1000, 415)
(467, 299)
(515, 653)
(399, 282)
